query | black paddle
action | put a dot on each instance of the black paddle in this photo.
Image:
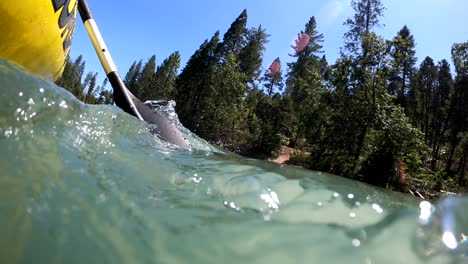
(123, 98)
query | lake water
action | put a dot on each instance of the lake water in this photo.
(90, 184)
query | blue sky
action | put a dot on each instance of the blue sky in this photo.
(136, 30)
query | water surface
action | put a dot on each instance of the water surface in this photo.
(90, 184)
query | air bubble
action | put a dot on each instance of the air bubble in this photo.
(442, 228)
(249, 192)
(356, 242)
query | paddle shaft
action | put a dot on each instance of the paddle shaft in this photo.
(123, 98)
(106, 60)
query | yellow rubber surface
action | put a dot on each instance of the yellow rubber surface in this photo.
(37, 34)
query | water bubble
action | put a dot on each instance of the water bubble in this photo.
(377, 208)
(101, 198)
(350, 196)
(63, 104)
(442, 227)
(249, 192)
(196, 178)
(356, 242)
(426, 209)
(449, 240)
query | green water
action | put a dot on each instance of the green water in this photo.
(90, 184)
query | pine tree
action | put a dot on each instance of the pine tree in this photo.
(422, 96)
(223, 116)
(368, 52)
(144, 84)
(195, 86)
(273, 81)
(234, 38)
(366, 17)
(306, 65)
(72, 76)
(90, 84)
(305, 84)
(363, 134)
(165, 78)
(442, 110)
(250, 56)
(132, 75)
(458, 147)
(402, 65)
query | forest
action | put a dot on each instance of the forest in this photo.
(373, 115)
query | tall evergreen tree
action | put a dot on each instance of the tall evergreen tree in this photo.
(366, 17)
(250, 56)
(306, 64)
(442, 111)
(367, 51)
(90, 84)
(305, 84)
(144, 85)
(403, 62)
(195, 85)
(234, 38)
(422, 96)
(132, 75)
(72, 76)
(363, 133)
(459, 121)
(273, 80)
(223, 113)
(165, 78)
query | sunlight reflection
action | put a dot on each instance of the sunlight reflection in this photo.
(426, 210)
(449, 240)
(377, 208)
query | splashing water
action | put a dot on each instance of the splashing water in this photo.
(90, 184)
(443, 228)
(167, 109)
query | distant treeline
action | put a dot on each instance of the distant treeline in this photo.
(373, 115)
(85, 89)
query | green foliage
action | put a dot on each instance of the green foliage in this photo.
(391, 139)
(304, 86)
(72, 80)
(195, 87)
(132, 75)
(273, 81)
(143, 87)
(233, 39)
(250, 56)
(403, 60)
(371, 115)
(366, 17)
(165, 77)
(72, 75)
(458, 120)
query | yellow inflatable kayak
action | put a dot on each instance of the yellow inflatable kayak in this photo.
(37, 34)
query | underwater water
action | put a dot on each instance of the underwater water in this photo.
(90, 184)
